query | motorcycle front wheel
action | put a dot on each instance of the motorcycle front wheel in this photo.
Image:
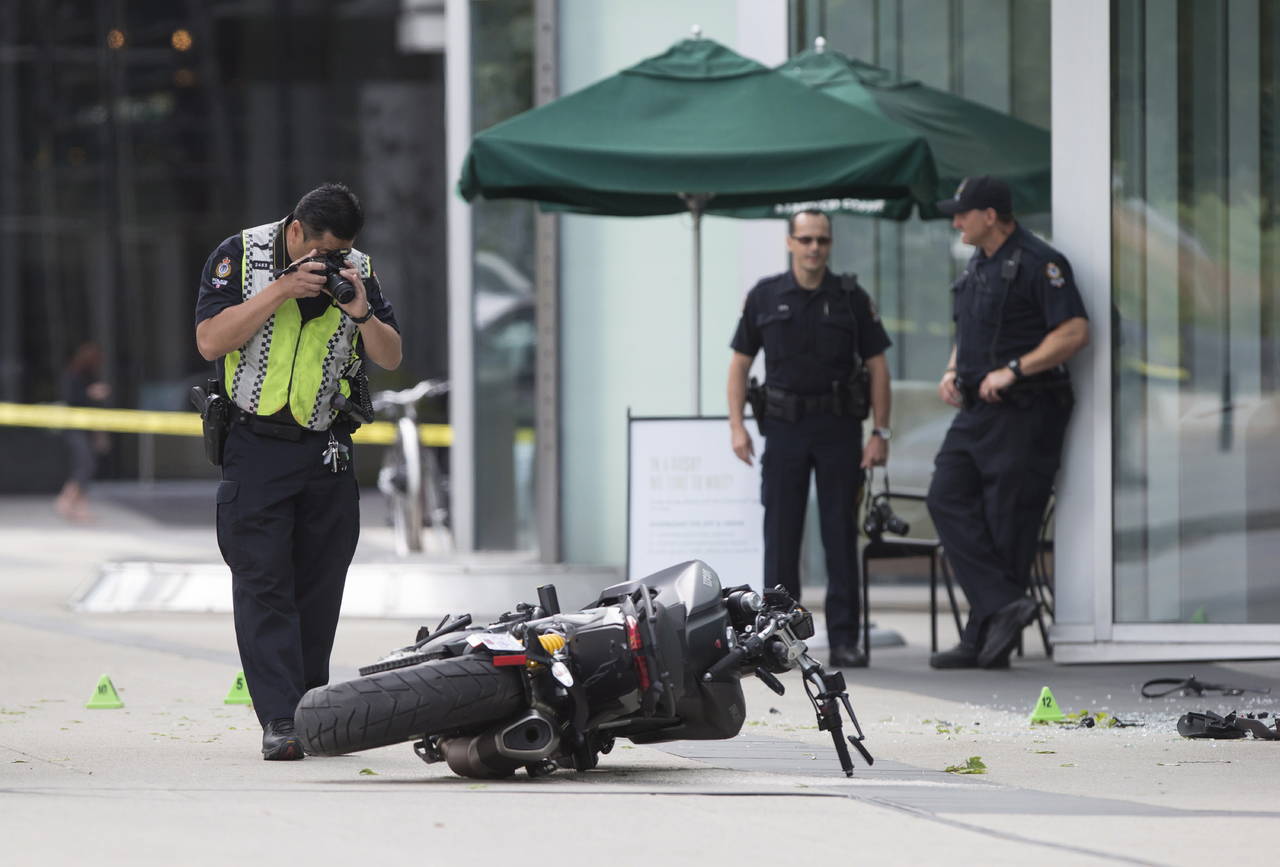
(437, 697)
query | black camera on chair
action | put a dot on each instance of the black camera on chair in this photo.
(880, 518)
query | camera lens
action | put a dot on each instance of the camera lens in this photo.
(342, 290)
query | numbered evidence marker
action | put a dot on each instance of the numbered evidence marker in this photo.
(104, 695)
(1046, 709)
(239, 693)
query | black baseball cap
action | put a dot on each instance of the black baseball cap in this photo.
(979, 193)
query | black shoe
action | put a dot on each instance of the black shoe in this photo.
(1003, 630)
(848, 656)
(960, 656)
(279, 743)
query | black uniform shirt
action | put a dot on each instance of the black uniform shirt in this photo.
(991, 328)
(809, 336)
(217, 293)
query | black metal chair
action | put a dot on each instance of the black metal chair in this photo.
(882, 547)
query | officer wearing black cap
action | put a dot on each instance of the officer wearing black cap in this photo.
(1019, 317)
(824, 358)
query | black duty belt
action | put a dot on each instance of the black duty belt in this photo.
(267, 428)
(789, 406)
(1041, 384)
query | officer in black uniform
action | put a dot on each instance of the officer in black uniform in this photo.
(1018, 317)
(818, 331)
(288, 506)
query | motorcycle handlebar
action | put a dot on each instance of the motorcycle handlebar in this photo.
(725, 663)
(749, 648)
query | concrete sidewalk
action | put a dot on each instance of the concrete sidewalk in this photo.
(175, 777)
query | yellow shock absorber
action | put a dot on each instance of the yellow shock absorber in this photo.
(551, 641)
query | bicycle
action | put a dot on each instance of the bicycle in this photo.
(411, 477)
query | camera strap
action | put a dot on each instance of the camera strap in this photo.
(868, 498)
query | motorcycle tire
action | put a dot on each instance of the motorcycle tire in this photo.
(437, 697)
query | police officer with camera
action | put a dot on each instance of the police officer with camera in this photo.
(1019, 318)
(291, 309)
(824, 366)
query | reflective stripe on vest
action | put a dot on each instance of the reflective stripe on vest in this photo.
(288, 361)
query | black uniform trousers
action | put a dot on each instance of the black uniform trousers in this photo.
(287, 527)
(831, 448)
(992, 480)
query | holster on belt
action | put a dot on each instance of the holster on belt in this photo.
(854, 398)
(215, 414)
(358, 408)
(756, 398)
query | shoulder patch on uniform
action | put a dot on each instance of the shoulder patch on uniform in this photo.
(1054, 274)
(224, 268)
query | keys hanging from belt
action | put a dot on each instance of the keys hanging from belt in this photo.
(337, 457)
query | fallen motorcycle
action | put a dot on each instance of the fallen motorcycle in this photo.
(653, 660)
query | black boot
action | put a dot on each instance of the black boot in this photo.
(960, 656)
(1002, 631)
(965, 656)
(848, 656)
(279, 743)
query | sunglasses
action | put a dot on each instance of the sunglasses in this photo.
(806, 240)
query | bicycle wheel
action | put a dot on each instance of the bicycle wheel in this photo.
(403, 472)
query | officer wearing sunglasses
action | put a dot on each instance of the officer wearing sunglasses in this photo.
(825, 370)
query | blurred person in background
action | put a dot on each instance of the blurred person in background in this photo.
(82, 385)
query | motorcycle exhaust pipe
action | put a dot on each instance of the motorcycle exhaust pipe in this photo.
(501, 750)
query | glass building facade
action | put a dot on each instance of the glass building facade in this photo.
(503, 233)
(1196, 270)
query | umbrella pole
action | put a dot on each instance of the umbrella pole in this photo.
(697, 203)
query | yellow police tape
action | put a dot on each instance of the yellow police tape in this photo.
(177, 423)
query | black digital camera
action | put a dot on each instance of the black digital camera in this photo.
(342, 289)
(880, 518)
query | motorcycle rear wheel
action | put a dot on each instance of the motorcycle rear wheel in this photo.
(437, 697)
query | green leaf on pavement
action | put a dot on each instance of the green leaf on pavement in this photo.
(974, 765)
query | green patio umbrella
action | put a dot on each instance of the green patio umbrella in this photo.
(965, 137)
(696, 124)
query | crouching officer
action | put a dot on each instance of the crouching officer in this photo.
(824, 362)
(288, 506)
(1018, 317)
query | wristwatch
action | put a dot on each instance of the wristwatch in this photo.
(883, 432)
(1015, 365)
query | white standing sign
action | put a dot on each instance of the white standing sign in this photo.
(690, 498)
